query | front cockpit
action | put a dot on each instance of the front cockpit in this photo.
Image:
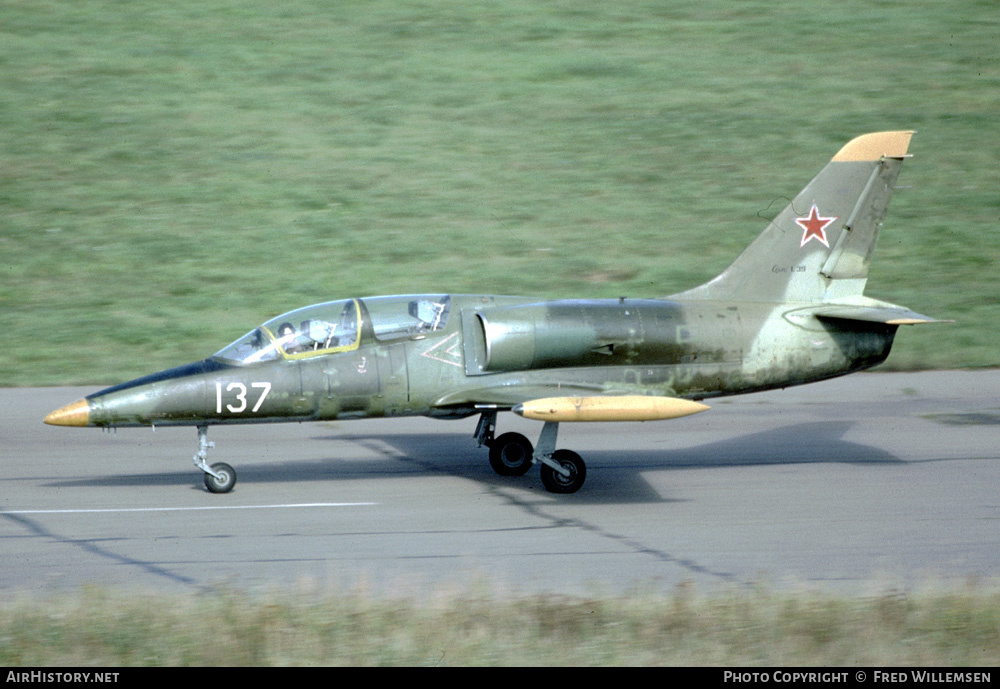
(338, 326)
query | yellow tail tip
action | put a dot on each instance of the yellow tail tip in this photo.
(876, 145)
(76, 414)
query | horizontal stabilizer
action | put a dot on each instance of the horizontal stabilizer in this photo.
(618, 408)
(887, 313)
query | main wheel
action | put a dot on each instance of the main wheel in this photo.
(510, 454)
(555, 482)
(227, 479)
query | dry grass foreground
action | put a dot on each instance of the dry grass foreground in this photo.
(759, 626)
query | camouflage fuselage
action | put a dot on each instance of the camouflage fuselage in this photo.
(496, 352)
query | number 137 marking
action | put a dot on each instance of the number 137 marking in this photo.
(241, 397)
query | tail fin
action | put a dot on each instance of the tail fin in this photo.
(819, 247)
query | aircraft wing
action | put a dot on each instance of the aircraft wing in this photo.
(507, 396)
(571, 403)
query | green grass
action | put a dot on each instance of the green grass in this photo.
(307, 626)
(172, 174)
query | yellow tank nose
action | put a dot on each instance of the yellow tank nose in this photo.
(76, 414)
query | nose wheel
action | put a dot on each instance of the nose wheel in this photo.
(219, 477)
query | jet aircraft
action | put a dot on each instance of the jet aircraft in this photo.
(789, 310)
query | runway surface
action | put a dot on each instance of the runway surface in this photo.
(866, 482)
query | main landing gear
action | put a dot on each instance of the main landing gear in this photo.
(511, 454)
(219, 477)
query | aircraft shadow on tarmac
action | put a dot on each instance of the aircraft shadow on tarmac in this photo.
(613, 476)
(616, 476)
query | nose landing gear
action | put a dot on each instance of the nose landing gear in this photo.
(219, 477)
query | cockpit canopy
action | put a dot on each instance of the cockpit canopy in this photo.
(338, 326)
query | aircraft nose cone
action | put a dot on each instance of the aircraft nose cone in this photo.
(76, 414)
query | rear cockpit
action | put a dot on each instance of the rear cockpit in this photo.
(338, 326)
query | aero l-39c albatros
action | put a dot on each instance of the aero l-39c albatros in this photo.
(789, 310)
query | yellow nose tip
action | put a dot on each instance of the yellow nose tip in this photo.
(76, 414)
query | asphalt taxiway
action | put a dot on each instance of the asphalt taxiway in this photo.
(873, 480)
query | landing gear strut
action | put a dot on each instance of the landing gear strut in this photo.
(511, 454)
(563, 471)
(219, 477)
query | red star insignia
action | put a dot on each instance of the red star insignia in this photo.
(814, 227)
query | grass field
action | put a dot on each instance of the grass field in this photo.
(172, 174)
(95, 627)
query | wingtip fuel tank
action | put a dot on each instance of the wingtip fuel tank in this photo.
(616, 408)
